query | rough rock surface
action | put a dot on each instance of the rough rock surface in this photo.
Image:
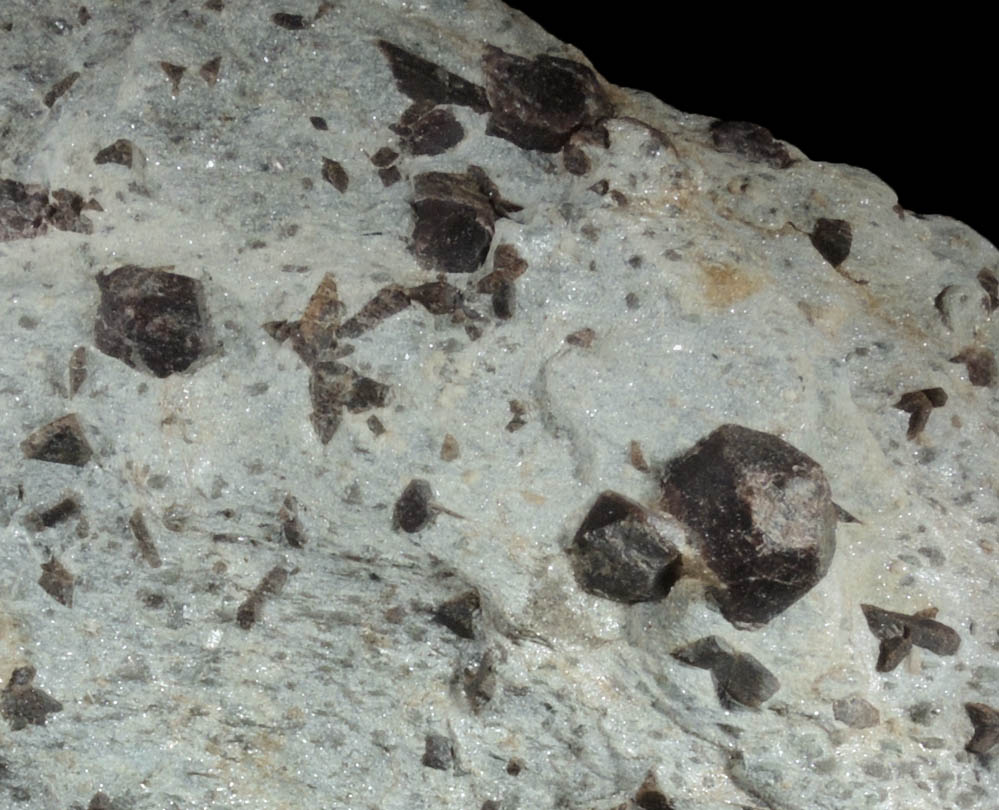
(416, 266)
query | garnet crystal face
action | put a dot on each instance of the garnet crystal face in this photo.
(762, 519)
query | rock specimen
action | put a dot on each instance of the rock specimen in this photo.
(739, 678)
(152, 320)
(762, 517)
(478, 266)
(618, 553)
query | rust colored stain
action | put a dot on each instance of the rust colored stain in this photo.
(725, 285)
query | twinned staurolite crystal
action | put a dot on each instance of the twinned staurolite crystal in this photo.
(739, 678)
(762, 518)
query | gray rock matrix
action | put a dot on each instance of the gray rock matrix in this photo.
(395, 414)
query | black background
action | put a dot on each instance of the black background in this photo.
(911, 99)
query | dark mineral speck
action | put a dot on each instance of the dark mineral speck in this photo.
(581, 337)
(893, 651)
(152, 320)
(26, 212)
(508, 265)
(739, 678)
(57, 582)
(365, 393)
(423, 80)
(519, 411)
(503, 300)
(389, 176)
(919, 404)
(438, 752)
(650, 797)
(617, 553)
(335, 174)
(455, 221)
(753, 142)
(292, 531)
(144, 540)
(459, 614)
(413, 511)
(385, 156)
(64, 212)
(60, 88)
(898, 632)
(575, 160)
(387, 302)
(988, 281)
(23, 704)
(293, 22)
(985, 721)
(449, 448)
(832, 238)
(981, 365)
(65, 509)
(100, 801)
(437, 297)
(856, 712)
(60, 442)
(271, 585)
(539, 103)
(209, 71)
(636, 457)
(327, 393)
(433, 133)
(119, 152)
(174, 73)
(77, 369)
(762, 518)
(319, 123)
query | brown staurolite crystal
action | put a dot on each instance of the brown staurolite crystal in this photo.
(761, 515)
(152, 320)
(618, 554)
